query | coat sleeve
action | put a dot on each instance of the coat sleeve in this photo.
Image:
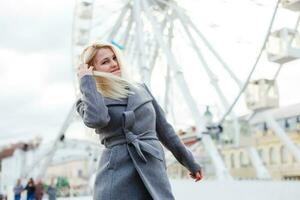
(171, 141)
(91, 106)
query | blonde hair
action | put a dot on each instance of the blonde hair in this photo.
(107, 84)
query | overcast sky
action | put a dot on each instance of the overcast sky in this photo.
(36, 80)
(35, 74)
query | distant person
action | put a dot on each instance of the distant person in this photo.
(18, 190)
(131, 125)
(30, 188)
(51, 191)
(39, 190)
(3, 197)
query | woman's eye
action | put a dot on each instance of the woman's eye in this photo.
(104, 62)
(115, 58)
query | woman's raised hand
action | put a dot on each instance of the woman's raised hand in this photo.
(84, 69)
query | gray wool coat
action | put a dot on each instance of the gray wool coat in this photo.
(132, 166)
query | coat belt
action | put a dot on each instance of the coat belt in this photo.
(137, 140)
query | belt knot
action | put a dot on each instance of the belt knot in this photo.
(137, 139)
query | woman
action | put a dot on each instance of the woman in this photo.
(130, 124)
(30, 187)
(18, 189)
(39, 190)
(51, 190)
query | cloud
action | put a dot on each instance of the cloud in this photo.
(36, 80)
(32, 25)
(42, 115)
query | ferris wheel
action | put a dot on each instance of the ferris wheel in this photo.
(145, 31)
(148, 31)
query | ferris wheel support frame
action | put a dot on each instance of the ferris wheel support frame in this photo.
(221, 170)
(214, 52)
(187, 19)
(127, 30)
(168, 74)
(212, 77)
(261, 170)
(180, 11)
(140, 41)
(154, 57)
(118, 23)
(156, 48)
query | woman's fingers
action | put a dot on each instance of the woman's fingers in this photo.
(91, 68)
(84, 69)
(197, 176)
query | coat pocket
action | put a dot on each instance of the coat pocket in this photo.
(107, 159)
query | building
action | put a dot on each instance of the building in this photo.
(279, 162)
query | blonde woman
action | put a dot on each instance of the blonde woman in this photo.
(131, 125)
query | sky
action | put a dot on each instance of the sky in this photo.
(36, 77)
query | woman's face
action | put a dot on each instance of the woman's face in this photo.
(106, 61)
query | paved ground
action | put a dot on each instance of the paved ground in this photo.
(234, 190)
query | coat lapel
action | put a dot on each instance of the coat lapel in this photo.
(110, 102)
(139, 97)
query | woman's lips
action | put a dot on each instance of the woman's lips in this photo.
(116, 70)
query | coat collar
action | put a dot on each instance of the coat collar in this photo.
(110, 102)
(138, 98)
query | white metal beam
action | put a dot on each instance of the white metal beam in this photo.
(221, 171)
(213, 78)
(118, 23)
(261, 171)
(137, 13)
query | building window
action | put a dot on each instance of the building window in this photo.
(298, 119)
(294, 159)
(241, 156)
(292, 123)
(223, 157)
(283, 154)
(272, 156)
(232, 160)
(282, 123)
(259, 127)
(243, 161)
(262, 156)
(79, 173)
(265, 127)
(260, 153)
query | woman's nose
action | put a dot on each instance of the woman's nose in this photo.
(114, 63)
